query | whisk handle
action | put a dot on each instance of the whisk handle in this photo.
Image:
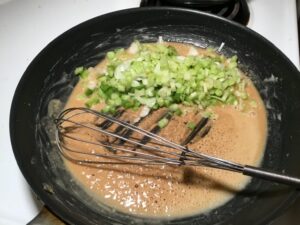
(271, 176)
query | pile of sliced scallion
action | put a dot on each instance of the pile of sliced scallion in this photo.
(157, 76)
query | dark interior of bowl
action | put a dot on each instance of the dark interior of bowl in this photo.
(50, 76)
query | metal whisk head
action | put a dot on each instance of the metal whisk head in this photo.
(92, 138)
(89, 137)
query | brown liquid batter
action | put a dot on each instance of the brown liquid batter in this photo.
(166, 191)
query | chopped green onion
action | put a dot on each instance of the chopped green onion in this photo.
(191, 125)
(110, 55)
(92, 101)
(163, 123)
(81, 72)
(78, 70)
(157, 76)
(88, 92)
(174, 107)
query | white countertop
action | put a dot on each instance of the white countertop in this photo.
(26, 27)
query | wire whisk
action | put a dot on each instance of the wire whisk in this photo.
(89, 137)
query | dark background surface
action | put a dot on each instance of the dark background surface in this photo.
(291, 217)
